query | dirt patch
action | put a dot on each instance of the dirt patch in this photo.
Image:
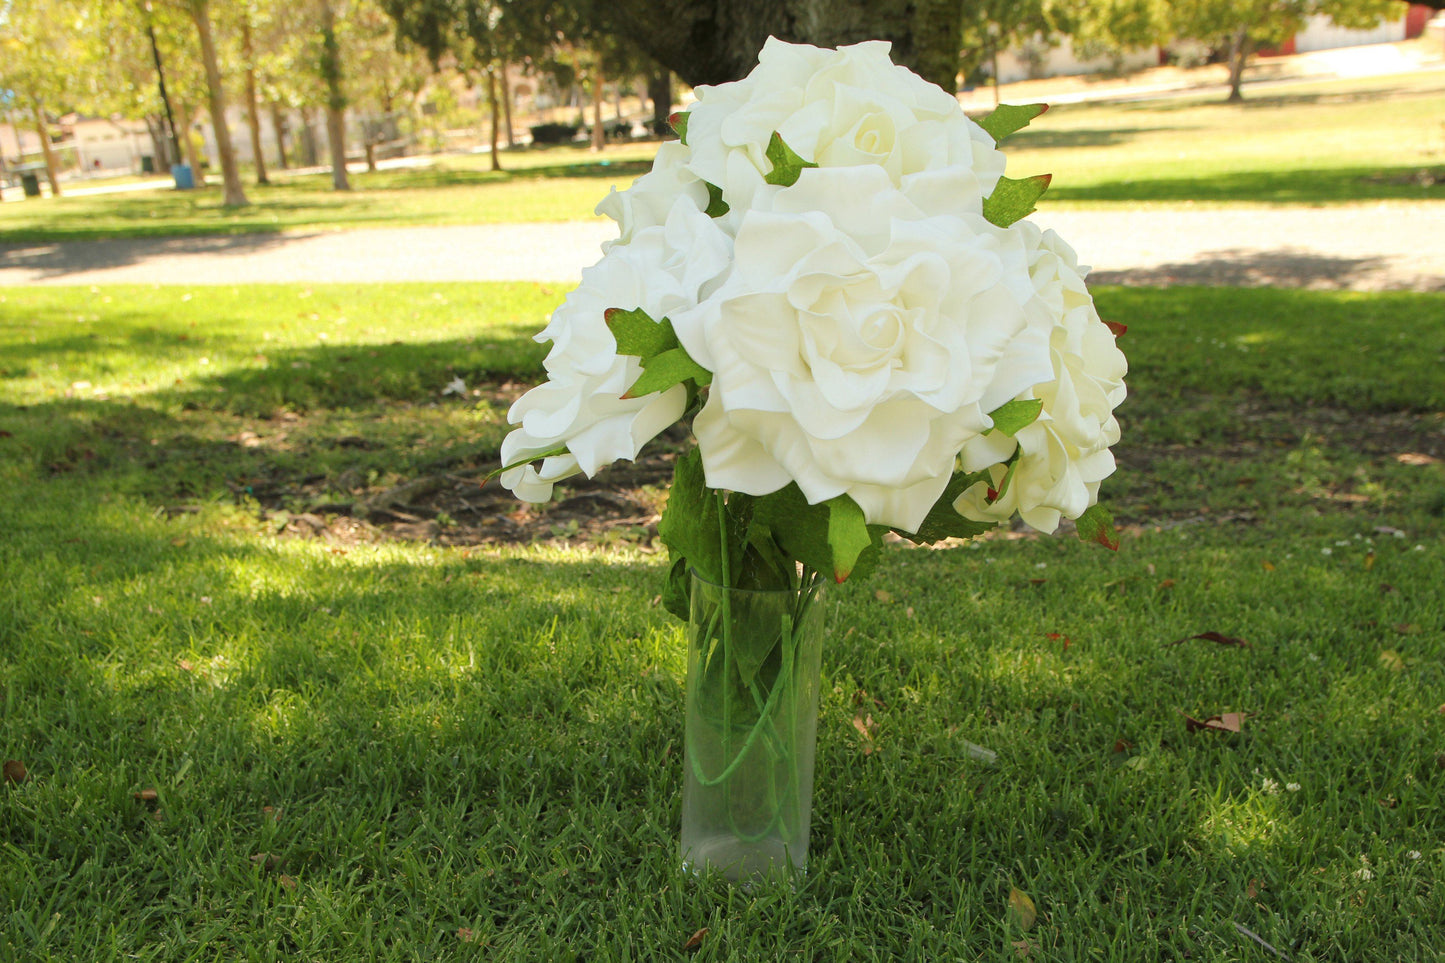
(460, 507)
(621, 506)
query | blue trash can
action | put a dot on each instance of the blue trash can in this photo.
(185, 180)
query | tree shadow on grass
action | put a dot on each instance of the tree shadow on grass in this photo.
(1242, 268)
(91, 253)
(1042, 138)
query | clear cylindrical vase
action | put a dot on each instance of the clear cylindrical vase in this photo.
(752, 723)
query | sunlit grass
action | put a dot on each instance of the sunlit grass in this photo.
(401, 751)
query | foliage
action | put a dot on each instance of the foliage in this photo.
(1243, 26)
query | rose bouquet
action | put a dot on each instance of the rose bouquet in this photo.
(830, 276)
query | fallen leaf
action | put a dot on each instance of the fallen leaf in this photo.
(1116, 327)
(1415, 458)
(1369, 560)
(466, 935)
(1022, 947)
(1216, 637)
(1022, 908)
(1168, 583)
(865, 729)
(286, 882)
(1060, 637)
(1225, 722)
(694, 941)
(15, 771)
(147, 797)
(1252, 890)
(267, 861)
(883, 595)
(1122, 745)
(1390, 659)
(1037, 581)
(1268, 566)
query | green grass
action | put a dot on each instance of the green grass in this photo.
(1309, 143)
(1335, 142)
(474, 754)
(556, 184)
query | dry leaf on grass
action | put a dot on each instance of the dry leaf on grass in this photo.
(1022, 908)
(1216, 637)
(1225, 722)
(694, 941)
(15, 771)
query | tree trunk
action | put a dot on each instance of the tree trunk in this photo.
(309, 152)
(52, 164)
(599, 133)
(714, 42)
(165, 98)
(160, 142)
(253, 114)
(335, 97)
(493, 106)
(188, 144)
(507, 108)
(937, 27)
(1238, 54)
(278, 124)
(659, 91)
(233, 194)
(993, 56)
(370, 149)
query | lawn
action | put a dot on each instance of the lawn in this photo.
(246, 739)
(1379, 139)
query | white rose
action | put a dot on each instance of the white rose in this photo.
(662, 271)
(838, 108)
(1064, 455)
(858, 343)
(651, 198)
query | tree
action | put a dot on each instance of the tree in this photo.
(714, 41)
(479, 35)
(37, 39)
(1243, 26)
(199, 11)
(330, 68)
(246, 14)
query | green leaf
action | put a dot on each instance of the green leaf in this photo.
(1097, 525)
(662, 371)
(786, 164)
(638, 334)
(943, 520)
(716, 206)
(688, 526)
(560, 449)
(677, 590)
(678, 122)
(830, 537)
(1007, 119)
(1013, 200)
(1014, 416)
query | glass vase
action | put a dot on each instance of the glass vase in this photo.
(751, 728)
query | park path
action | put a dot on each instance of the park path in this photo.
(1372, 247)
